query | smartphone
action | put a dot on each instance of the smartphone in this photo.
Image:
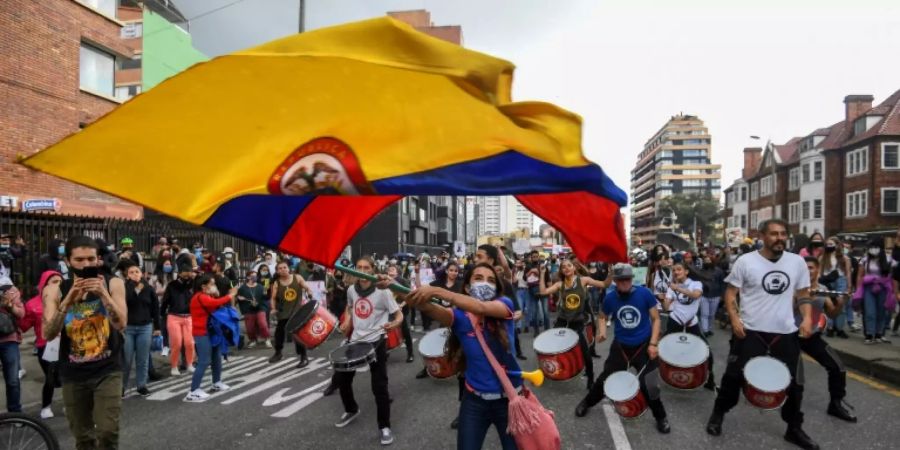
(89, 272)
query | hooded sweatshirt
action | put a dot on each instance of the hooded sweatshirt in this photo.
(34, 311)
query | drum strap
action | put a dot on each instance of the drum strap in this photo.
(636, 352)
(768, 344)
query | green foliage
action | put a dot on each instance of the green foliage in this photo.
(686, 206)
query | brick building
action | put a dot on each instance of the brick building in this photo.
(842, 180)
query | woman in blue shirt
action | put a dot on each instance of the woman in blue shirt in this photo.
(483, 402)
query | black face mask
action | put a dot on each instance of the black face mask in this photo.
(830, 248)
(817, 244)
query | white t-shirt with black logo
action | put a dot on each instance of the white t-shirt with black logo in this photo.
(370, 313)
(767, 290)
(684, 309)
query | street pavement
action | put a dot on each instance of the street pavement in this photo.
(273, 406)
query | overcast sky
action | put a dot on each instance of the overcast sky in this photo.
(754, 67)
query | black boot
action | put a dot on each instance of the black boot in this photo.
(422, 374)
(662, 425)
(329, 390)
(796, 436)
(714, 425)
(836, 409)
(711, 383)
(842, 334)
(303, 363)
(455, 424)
(410, 358)
(582, 409)
(276, 357)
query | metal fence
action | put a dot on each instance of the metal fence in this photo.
(38, 229)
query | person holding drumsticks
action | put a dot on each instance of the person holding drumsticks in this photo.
(370, 308)
(768, 281)
(682, 300)
(483, 401)
(574, 302)
(816, 347)
(636, 342)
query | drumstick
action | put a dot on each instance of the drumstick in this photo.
(828, 293)
(396, 287)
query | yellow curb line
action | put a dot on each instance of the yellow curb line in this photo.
(866, 380)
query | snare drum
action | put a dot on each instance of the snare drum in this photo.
(394, 338)
(559, 354)
(624, 390)
(767, 380)
(350, 357)
(433, 348)
(311, 324)
(682, 360)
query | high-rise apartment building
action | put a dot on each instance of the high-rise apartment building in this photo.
(676, 160)
(502, 214)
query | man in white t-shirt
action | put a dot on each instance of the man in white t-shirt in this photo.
(768, 281)
(371, 311)
(682, 300)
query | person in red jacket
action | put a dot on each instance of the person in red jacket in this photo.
(206, 300)
(34, 310)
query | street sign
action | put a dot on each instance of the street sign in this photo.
(459, 248)
(41, 204)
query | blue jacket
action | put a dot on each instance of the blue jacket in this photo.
(224, 328)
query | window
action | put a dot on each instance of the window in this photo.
(804, 207)
(857, 204)
(404, 206)
(817, 209)
(794, 212)
(890, 200)
(731, 222)
(766, 186)
(754, 190)
(858, 161)
(890, 156)
(743, 193)
(817, 171)
(753, 219)
(743, 221)
(806, 173)
(96, 70)
(859, 127)
(794, 179)
(107, 7)
(126, 92)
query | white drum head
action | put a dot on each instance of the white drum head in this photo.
(683, 350)
(621, 386)
(433, 343)
(555, 341)
(767, 374)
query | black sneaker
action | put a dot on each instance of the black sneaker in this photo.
(836, 409)
(329, 390)
(143, 391)
(830, 332)
(714, 424)
(662, 425)
(154, 375)
(521, 357)
(842, 334)
(455, 424)
(796, 436)
(582, 409)
(594, 354)
(711, 384)
(303, 363)
(410, 358)
(276, 357)
(422, 374)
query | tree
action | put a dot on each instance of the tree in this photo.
(688, 206)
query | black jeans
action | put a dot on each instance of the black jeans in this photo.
(819, 350)
(578, 327)
(673, 326)
(51, 378)
(378, 370)
(280, 333)
(785, 348)
(649, 377)
(407, 335)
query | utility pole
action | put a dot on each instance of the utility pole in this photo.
(302, 19)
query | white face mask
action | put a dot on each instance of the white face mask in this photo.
(875, 251)
(482, 290)
(214, 292)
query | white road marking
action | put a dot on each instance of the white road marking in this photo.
(228, 376)
(170, 381)
(300, 404)
(314, 364)
(616, 429)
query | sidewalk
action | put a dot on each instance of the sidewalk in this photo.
(881, 361)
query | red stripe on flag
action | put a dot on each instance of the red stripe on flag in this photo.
(328, 224)
(591, 224)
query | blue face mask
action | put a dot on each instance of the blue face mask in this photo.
(61, 249)
(4, 246)
(483, 290)
(167, 269)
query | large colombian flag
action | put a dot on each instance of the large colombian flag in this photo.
(260, 143)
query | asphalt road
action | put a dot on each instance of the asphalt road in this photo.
(278, 406)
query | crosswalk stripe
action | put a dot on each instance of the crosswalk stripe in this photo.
(230, 366)
(314, 364)
(303, 402)
(228, 375)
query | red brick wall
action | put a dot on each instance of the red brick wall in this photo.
(42, 102)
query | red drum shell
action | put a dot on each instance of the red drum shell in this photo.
(394, 338)
(433, 348)
(559, 355)
(623, 389)
(767, 380)
(316, 329)
(683, 361)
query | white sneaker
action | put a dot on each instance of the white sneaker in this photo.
(191, 369)
(386, 437)
(268, 343)
(46, 413)
(346, 418)
(165, 351)
(196, 396)
(220, 386)
(175, 372)
(252, 344)
(22, 373)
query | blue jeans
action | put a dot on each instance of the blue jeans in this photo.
(874, 312)
(522, 296)
(206, 355)
(475, 417)
(9, 358)
(839, 322)
(137, 351)
(708, 308)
